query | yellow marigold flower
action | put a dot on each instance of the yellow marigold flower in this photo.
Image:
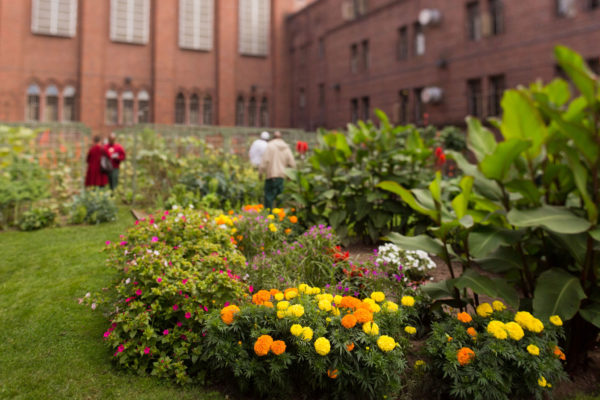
(233, 230)
(322, 346)
(411, 330)
(335, 311)
(533, 350)
(484, 310)
(337, 299)
(278, 347)
(307, 333)
(324, 305)
(371, 328)
(497, 329)
(297, 310)
(542, 381)
(372, 305)
(315, 290)
(386, 343)
(279, 296)
(407, 301)
(272, 228)
(302, 287)
(378, 296)
(290, 293)
(464, 317)
(498, 305)
(276, 210)
(280, 314)
(296, 330)
(555, 320)
(419, 363)
(270, 216)
(283, 305)
(514, 330)
(391, 306)
(529, 322)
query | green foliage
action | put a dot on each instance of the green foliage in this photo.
(338, 185)
(500, 369)
(93, 206)
(37, 218)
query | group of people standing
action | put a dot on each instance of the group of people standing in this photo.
(103, 162)
(271, 157)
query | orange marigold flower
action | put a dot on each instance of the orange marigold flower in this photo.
(274, 292)
(288, 231)
(230, 212)
(261, 296)
(472, 332)
(558, 353)
(293, 219)
(464, 317)
(349, 321)
(278, 347)
(465, 355)
(349, 302)
(450, 338)
(263, 345)
(268, 304)
(350, 347)
(363, 315)
(332, 374)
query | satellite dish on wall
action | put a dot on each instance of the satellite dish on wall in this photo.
(432, 95)
(430, 16)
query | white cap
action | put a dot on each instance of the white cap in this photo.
(265, 135)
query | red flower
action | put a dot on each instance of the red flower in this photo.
(301, 147)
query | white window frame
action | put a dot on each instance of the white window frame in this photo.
(130, 24)
(54, 7)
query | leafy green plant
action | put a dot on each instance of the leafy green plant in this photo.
(37, 218)
(93, 207)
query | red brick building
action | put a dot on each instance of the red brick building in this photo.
(427, 60)
(299, 63)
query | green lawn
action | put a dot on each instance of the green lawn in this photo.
(50, 346)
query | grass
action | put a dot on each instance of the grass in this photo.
(50, 346)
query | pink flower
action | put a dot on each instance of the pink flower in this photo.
(205, 308)
(163, 217)
(127, 300)
(123, 243)
(120, 348)
(251, 288)
(155, 238)
(107, 242)
(226, 304)
(136, 222)
(147, 350)
(179, 324)
(166, 332)
(159, 280)
(151, 221)
(188, 315)
(107, 334)
(166, 213)
(175, 307)
(183, 337)
(184, 281)
(138, 292)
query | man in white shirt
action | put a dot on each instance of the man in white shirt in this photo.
(258, 149)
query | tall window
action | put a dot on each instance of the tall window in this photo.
(365, 55)
(207, 111)
(321, 49)
(497, 87)
(51, 106)
(129, 21)
(496, 8)
(402, 46)
(366, 108)
(264, 112)
(302, 98)
(321, 95)
(128, 100)
(419, 39)
(566, 8)
(252, 112)
(360, 7)
(33, 103)
(254, 24)
(354, 58)
(239, 111)
(473, 21)
(354, 110)
(403, 107)
(474, 97)
(111, 113)
(194, 110)
(418, 106)
(143, 107)
(180, 109)
(68, 113)
(196, 24)
(594, 4)
(54, 17)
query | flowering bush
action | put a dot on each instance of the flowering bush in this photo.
(303, 338)
(93, 207)
(496, 354)
(410, 265)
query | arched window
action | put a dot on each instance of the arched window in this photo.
(180, 109)
(33, 103)
(68, 113)
(252, 112)
(143, 107)
(128, 99)
(264, 112)
(111, 113)
(207, 110)
(239, 111)
(51, 106)
(194, 110)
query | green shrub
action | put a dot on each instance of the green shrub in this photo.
(37, 218)
(477, 358)
(93, 207)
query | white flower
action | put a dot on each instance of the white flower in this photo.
(127, 281)
(87, 294)
(191, 206)
(175, 207)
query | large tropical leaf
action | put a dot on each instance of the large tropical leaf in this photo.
(461, 202)
(575, 67)
(556, 219)
(557, 292)
(419, 242)
(497, 165)
(480, 140)
(407, 197)
(486, 239)
(439, 290)
(591, 313)
(504, 259)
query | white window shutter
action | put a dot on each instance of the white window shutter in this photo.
(196, 24)
(54, 17)
(254, 27)
(130, 21)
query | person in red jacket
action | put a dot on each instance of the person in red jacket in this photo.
(117, 154)
(94, 175)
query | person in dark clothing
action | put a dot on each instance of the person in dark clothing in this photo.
(94, 175)
(117, 154)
